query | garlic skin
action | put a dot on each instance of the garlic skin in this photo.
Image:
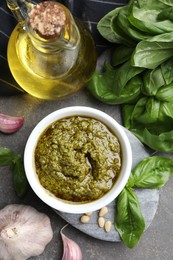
(10, 124)
(71, 250)
(24, 232)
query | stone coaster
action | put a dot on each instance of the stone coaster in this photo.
(149, 200)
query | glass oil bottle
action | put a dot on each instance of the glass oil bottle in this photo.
(50, 54)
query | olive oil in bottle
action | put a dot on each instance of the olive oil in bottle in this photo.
(53, 58)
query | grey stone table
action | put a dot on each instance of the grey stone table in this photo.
(156, 243)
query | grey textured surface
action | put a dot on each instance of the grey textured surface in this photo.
(156, 242)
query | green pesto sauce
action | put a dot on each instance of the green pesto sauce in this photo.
(78, 159)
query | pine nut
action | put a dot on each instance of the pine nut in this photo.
(108, 225)
(85, 219)
(101, 222)
(89, 213)
(103, 211)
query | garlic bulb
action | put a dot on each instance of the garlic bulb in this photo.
(24, 232)
(72, 250)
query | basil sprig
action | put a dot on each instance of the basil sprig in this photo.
(150, 173)
(9, 158)
(139, 75)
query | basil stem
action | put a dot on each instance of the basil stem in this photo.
(129, 221)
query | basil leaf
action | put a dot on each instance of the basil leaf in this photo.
(144, 16)
(165, 93)
(159, 142)
(152, 172)
(127, 111)
(163, 37)
(151, 54)
(6, 156)
(129, 221)
(151, 121)
(145, 112)
(123, 74)
(167, 69)
(128, 28)
(132, 90)
(109, 29)
(102, 87)
(151, 113)
(101, 84)
(121, 54)
(20, 182)
(153, 80)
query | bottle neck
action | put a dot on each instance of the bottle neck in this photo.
(19, 8)
(51, 28)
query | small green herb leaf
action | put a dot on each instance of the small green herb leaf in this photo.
(110, 30)
(129, 221)
(151, 121)
(6, 156)
(121, 54)
(122, 76)
(20, 182)
(125, 25)
(151, 54)
(165, 93)
(153, 80)
(167, 68)
(144, 16)
(102, 87)
(151, 173)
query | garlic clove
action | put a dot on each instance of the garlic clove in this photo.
(71, 250)
(10, 124)
(24, 232)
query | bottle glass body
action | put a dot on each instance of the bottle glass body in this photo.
(50, 73)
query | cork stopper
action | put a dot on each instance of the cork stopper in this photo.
(47, 19)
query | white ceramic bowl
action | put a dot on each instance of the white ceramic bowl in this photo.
(63, 205)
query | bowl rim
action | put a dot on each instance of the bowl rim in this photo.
(45, 195)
